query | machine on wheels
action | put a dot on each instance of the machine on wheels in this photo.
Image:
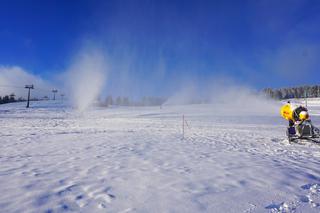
(300, 125)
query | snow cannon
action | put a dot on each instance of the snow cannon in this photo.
(300, 126)
(294, 113)
(286, 111)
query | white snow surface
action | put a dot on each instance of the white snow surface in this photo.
(134, 159)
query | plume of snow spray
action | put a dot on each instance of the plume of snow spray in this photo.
(227, 97)
(86, 78)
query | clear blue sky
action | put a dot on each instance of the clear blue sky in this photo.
(263, 43)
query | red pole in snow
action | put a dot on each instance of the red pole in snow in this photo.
(182, 126)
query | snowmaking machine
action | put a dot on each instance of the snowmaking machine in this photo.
(300, 125)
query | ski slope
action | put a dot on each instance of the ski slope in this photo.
(135, 159)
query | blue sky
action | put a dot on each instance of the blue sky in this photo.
(152, 43)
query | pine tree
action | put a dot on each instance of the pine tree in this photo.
(109, 100)
(6, 99)
(119, 101)
(125, 101)
(12, 97)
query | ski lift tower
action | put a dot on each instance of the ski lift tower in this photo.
(29, 87)
(54, 93)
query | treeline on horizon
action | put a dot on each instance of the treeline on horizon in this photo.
(293, 92)
(10, 99)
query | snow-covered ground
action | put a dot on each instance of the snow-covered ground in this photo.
(54, 159)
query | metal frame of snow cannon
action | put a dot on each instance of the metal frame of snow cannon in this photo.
(307, 132)
(299, 128)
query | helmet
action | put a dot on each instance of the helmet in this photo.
(303, 115)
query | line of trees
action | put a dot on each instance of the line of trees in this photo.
(10, 99)
(293, 92)
(125, 101)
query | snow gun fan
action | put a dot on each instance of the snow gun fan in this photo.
(300, 125)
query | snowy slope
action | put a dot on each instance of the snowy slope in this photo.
(54, 159)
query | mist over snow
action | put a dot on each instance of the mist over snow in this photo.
(226, 96)
(184, 95)
(14, 78)
(86, 77)
(244, 100)
(85, 80)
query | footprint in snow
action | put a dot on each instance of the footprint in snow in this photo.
(281, 207)
(73, 196)
(277, 140)
(313, 196)
(102, 196)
